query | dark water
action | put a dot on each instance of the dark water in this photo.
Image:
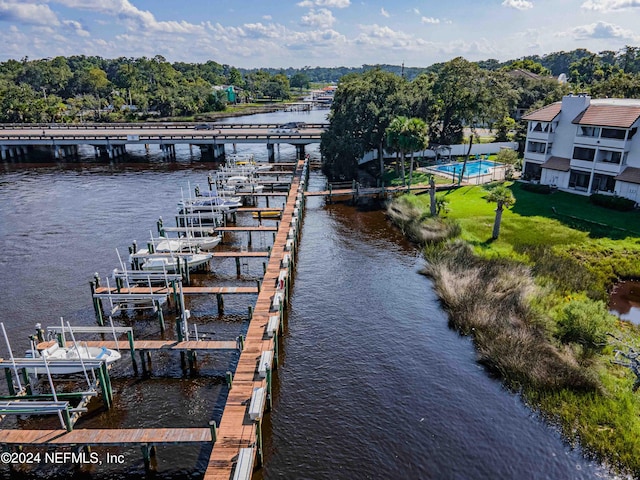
(372, 383)
(624, 301)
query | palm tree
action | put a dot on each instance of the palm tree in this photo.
(396, 134)
(504, 198)
(416, 139)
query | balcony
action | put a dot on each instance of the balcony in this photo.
(540, 136)
(535, 157)
(608, 167)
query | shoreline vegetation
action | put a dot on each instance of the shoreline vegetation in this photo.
(533, 301)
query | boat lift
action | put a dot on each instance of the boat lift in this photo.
(23, 401)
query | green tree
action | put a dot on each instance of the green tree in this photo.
(503, 197)
(363, 107)
(528, 65)
(466, 95)
(397, 141)
(502, 128)
(300, 80)
(417, 140)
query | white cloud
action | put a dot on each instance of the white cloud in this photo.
(260, 30)
(27, 13)
(325, 3)
(267, 17)
(601, 30)
(431, 20)
(610, 5)
(384, 37)
(384, 13)
(124, 10)
(518, 4)
(416, 11)
(321, 18)
(76, 27)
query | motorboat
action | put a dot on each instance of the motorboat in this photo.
(225, 195)
(210, 204)
(170, 264)
(72, 353)
(242, 184)
(188, 243)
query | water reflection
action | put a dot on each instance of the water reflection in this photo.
(624, 301)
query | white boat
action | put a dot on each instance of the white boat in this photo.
(56, 352)
(189, 243)
(243, 184)
(210, 204)
(170, 264)
(225, 195)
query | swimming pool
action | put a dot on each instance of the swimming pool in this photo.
(474, 168)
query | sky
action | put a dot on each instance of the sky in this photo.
(311, 33)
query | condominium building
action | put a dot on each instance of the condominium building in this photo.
(585, 145)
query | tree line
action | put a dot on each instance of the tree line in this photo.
(366, 108)
(77, 88)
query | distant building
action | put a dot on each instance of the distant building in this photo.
(585, 146)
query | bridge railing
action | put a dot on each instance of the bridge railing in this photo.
(148, 125)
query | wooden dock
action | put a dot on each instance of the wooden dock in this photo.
(156, 344)
(237, 430)
(105, 436)
(167, 291)
(238, 437)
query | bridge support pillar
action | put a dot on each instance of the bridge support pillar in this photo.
(271, 153)
(300, 152)
(3, 152)
(218, 152)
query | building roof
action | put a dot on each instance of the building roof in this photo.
(630, 175)
(545, 114)
(522, 73)
(558, 163)
(609, 115)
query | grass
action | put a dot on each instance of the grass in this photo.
(554, 251)
(419, 178)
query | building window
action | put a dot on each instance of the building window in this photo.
(588, 131)
(586, 154)
(579, 180)
(608, 156)
(615, 133)
(603, 183)
(541, 127)
(536, 147)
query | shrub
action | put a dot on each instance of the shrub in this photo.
(536, 188)
(613, 202)
(585, 322)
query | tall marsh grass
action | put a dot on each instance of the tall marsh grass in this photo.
(489, 299)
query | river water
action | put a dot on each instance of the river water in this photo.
(371, 383)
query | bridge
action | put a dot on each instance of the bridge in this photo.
(110, 139)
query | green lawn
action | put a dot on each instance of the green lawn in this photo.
(576, 250)
(532, 220)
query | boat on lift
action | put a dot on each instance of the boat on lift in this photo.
(170, 263)
(74, 353)
(187, 243)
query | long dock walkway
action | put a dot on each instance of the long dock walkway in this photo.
(238, 432)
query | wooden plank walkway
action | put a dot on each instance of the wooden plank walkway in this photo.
(154, 344)
(122, 436)
(185, 290)
(236, 429)
(367, 191)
